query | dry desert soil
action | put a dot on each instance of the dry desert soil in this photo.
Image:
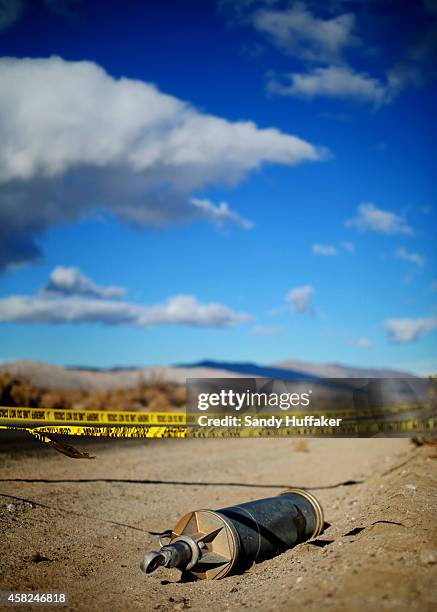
(81, 526)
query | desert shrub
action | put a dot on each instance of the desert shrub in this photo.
(154, 395)
(62, 400)
(16, 392)
(178, 396)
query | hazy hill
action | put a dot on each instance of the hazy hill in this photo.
(338, 370)
(46, 375)
(42, 374)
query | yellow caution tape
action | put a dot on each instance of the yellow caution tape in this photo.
(97, 417)
(45, 423)
(112, 432)
(128, 431)
(122, 417)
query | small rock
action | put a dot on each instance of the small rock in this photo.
(411, 487)
(233, 590)
(428, 556)
(11, 508)
(39, 558)
(299, 579)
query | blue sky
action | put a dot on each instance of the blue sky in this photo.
(151, 172)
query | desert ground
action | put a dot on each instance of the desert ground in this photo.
(81, 526)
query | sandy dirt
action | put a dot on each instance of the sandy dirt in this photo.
(81, 526)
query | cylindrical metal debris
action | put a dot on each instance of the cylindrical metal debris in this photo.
(211, 544)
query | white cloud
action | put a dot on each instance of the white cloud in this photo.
(411, 257)
(408, 330)
(10, 12)
(348, 246)
(71, 281)
(324, 249)
(299, 299)
(177, 310)
(364, 343)
(268, 331)
(72, 297)
(221, 214)
(375, 219)
(299, 33)
(74, 140)
(330, 250)
(54, 125)
(332, 82)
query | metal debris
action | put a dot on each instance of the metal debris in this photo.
(211, 544)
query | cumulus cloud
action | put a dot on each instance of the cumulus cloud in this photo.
(332, 82)
(136, 126)
(375, 219)
(71, 281)
(329, 250)
(71, 297)
(298, 30)
(324, 249)
(74, 140)
(299, 299)
(411, 257)
(299, 33)
(177, 310)
(408, 330)
(221, 214)
(268, 331)
(416, 67)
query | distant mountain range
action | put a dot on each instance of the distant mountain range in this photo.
(301, 369)
(54, 377)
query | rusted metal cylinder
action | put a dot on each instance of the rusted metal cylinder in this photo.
(211, 544)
